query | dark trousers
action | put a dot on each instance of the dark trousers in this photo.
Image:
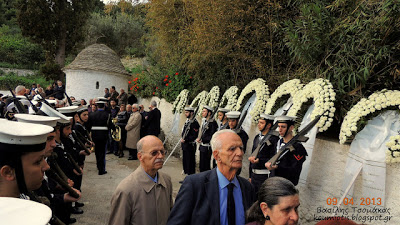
(205, 157)
(132, 152)
(100, 154)
(189, 159)
(257, 180)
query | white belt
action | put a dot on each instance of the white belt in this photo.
(205, 145)
(256, 171)
(99, 128)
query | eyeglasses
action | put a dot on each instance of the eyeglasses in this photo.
(155, 153)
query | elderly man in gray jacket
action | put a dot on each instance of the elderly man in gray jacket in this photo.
(145, 196)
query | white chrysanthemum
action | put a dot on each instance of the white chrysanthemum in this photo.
(393, 151)
(230, 96)
(376, 101)
(180, 101)
(262, 95)
(321, 90)
(290, 87)
(200, 99)
(213, 97)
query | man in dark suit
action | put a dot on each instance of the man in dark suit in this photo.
(216, 196)
(152, 120)
(101, 123)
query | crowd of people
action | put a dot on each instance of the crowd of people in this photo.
(42, 156)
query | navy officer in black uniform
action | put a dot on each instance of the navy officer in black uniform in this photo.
(291, 163)
(208, 128)
(101, 123)
(188, 142)
(233, 120)
(258, 172)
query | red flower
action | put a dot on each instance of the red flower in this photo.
(154, 93)
(156, 87)
(131, 88)
(129, 82)
(190, 77)
(166, 76)
(176, 74)
(135, 90)
(170, 81)
(165, 79)
(166, 84)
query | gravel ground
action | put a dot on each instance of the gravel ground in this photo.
(97, 190)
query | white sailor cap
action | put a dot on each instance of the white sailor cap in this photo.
(208, 108)
(102, 99)
(22, 137)
(69, 110)
(285, 119)
(54, 113)
(266, 116)
(52, 101)
(16, 211)
(4, 96)
(101, 102)
(224, 110)
(233, 115)
(189, 109)
(37, 119)
(76, 103)
(82, 109)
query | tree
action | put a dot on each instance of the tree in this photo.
(54, 24)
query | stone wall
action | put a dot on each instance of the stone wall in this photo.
(324, 179)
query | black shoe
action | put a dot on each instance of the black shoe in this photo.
(116, 153)
(132, 158)
(76, 210)
(109, 152)
(78, 204)
(102, 172)
(71, 220)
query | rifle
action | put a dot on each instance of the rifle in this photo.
(54, 165)
(17, 103)
(33, 106)
(185, 133)
(211, 119)
(289, 146)
(69, 100)
(80, 143)
(241, 120)
(54, 176)
(270, 133)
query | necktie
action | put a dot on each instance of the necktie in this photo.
(231, 205)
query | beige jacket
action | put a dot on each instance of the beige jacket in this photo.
(138, 200)
(133, 128)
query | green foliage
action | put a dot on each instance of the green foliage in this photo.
(54, 24)
(121, 32)
(50, 70)
(17, 51)
(153, 82)
(14, 80)
(354, 44)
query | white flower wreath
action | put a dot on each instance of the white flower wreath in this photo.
(375, 102)
(322, 92)
(230, 96)
(180, 101)
(213, 97)
(200, 99)
(393, 152)
(262, 95)
(290, 87)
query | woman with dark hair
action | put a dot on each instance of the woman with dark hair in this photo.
(278, 201)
